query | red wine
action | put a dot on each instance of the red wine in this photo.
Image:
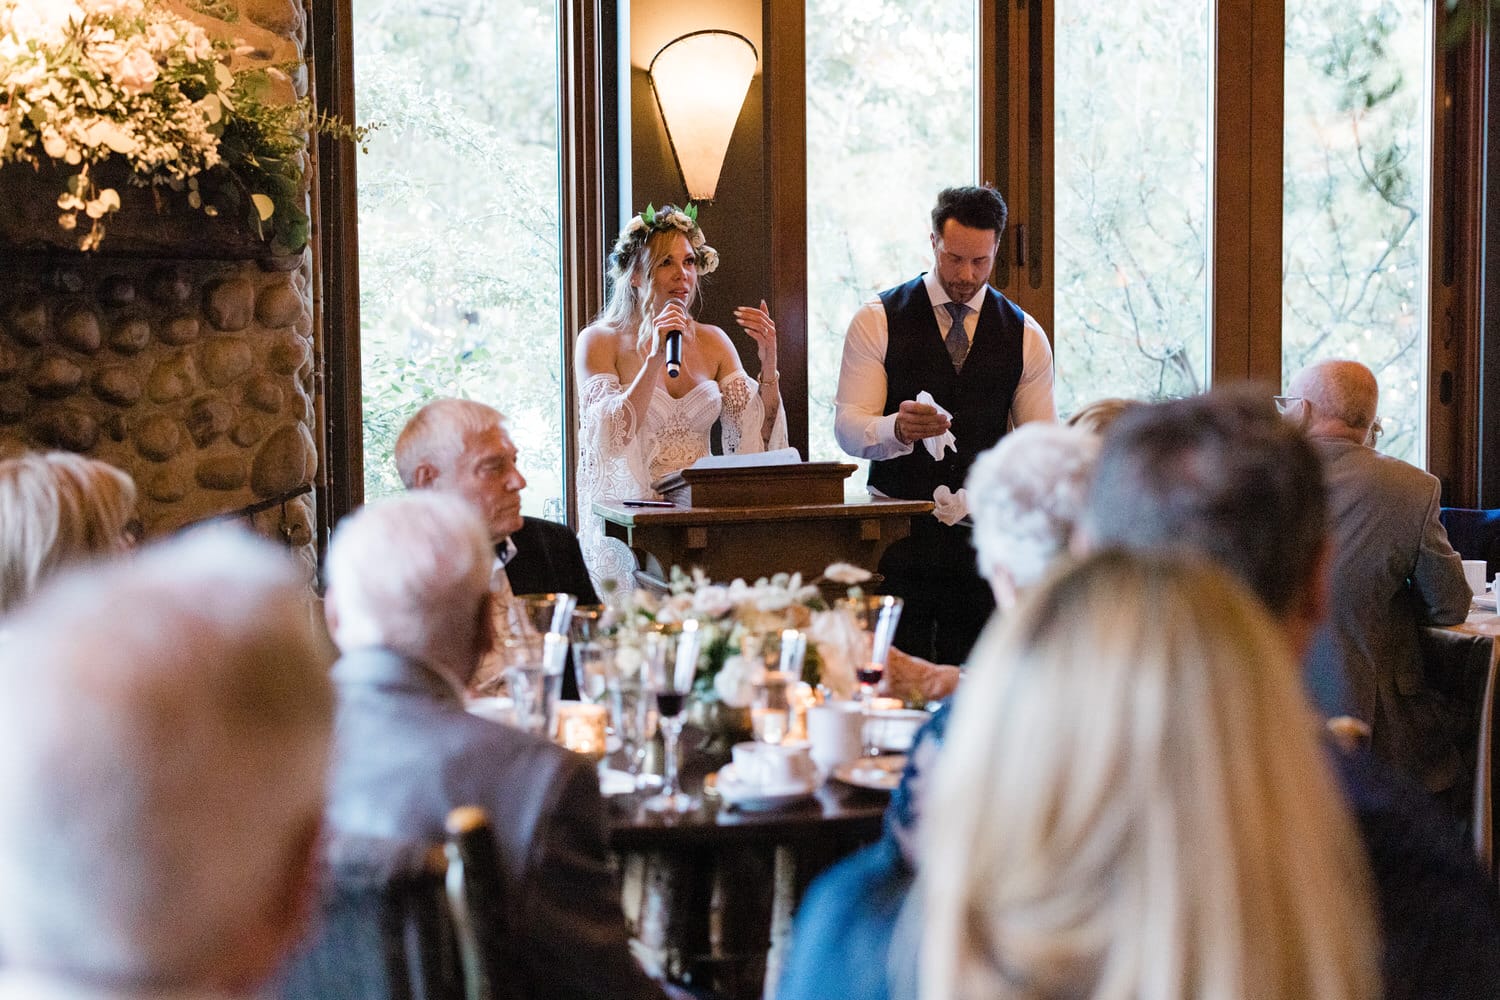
(669, 704)
(870, 675)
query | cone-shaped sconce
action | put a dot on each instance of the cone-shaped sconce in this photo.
(700, 82)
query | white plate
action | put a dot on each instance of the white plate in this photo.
(1485, 602)
(493, 709)
(615, 782)
(881, 774)
(758, 798)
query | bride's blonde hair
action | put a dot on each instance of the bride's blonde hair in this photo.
(1132, 802)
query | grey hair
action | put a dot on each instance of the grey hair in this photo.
(407, 573)
(435, 435)
(164, 738)
(1026, 496)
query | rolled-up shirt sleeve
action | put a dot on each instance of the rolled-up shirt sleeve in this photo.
(860, 423)
(1034, 399)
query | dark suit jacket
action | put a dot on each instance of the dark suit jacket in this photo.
(1393, 570)
(549, 561)
(406, 752)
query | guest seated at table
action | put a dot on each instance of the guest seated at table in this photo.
(462, 447)
(1391, 570)
(1094, 827)
(408, 605)
(1224, 477)
(57, 508)
(1026, 494)
(637, 423)
(164, 742)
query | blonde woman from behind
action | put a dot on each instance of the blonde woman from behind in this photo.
(1133, 802)
(57, 508)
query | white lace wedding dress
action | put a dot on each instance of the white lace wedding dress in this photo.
(619, 457)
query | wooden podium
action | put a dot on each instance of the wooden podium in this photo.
(759, 521)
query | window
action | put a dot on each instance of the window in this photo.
(890, 122)
(458, 196)
(1356, 155)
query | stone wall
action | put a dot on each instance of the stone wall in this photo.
(194, 375)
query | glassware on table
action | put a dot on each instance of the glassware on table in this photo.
(532, 669)
(545, 613)
(633, 722)
(771, 714)
(877, 617)
(671, 663)
(593, 653)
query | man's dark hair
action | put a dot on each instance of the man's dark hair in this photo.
(975, 207)
(1222, 475)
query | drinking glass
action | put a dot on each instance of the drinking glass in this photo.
(631, 716)
(671, 663)
(545, 613)
(771, 715)
(533, 667)
(593, 654)
(876, 616)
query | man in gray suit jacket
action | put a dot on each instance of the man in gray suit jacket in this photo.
(1392, 570)
(409, 608)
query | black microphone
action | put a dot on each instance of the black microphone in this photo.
(674, 353)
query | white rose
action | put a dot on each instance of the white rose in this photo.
(136, 71)
(635, 225)
(708, 260)
(712, 601)
(735, 682)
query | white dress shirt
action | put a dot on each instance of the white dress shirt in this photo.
(860, 422)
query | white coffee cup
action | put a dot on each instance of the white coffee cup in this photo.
(771, 765)
(1475, 572)
(836, 731)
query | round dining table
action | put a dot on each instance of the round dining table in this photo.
(710, 894)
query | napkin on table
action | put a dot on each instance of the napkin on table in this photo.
(935, 445)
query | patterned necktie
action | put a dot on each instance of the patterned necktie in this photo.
(957, 340)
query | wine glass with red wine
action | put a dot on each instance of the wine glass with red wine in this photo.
(671, 663)
(877, 616)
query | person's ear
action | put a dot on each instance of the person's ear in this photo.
(424, 475)
(934, 238)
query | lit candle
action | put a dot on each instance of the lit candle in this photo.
(580, 728)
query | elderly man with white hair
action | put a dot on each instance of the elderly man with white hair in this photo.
(1391, 570)
(163, 741)
(408, 604)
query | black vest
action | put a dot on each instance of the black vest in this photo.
(979, 397)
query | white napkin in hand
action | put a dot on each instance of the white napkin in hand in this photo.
(950, 507)
(935, 445)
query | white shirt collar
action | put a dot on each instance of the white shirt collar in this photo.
(939, 295)
(506, 552)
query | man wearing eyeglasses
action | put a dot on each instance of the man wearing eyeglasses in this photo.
(1392, 569)
(942, 354)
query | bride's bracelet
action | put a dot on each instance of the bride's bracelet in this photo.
(774, 380)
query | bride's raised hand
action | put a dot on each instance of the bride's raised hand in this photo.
(673, 315)
(759, 325)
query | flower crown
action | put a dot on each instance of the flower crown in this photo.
(670, 219)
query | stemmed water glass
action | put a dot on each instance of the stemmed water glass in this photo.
(770, 717)
(671, 662)
(877, 616)
(593, 654)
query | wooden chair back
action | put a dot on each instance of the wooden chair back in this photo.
(475, 900)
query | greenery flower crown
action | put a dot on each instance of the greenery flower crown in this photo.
(670, 219)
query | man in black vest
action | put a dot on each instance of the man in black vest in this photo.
(984, 362)
(462, 446)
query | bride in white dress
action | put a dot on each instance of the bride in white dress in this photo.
(636, 424)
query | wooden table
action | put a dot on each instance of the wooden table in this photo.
(751, 542)
(710, 895)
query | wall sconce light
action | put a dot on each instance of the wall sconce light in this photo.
(700, 81)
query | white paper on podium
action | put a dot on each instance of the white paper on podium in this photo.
(749, 460)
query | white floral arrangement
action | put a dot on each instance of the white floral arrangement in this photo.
(85, 82)
(669, 217)
(733, 617)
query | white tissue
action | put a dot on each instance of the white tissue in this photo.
(950, 507)
(935, 445)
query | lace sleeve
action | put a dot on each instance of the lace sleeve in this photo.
(744, 414)
(606, 430)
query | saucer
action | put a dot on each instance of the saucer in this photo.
(1485, 602)
(756, 798)
(879, 774)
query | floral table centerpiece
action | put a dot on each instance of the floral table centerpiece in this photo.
(89, 85)
(733, 619)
